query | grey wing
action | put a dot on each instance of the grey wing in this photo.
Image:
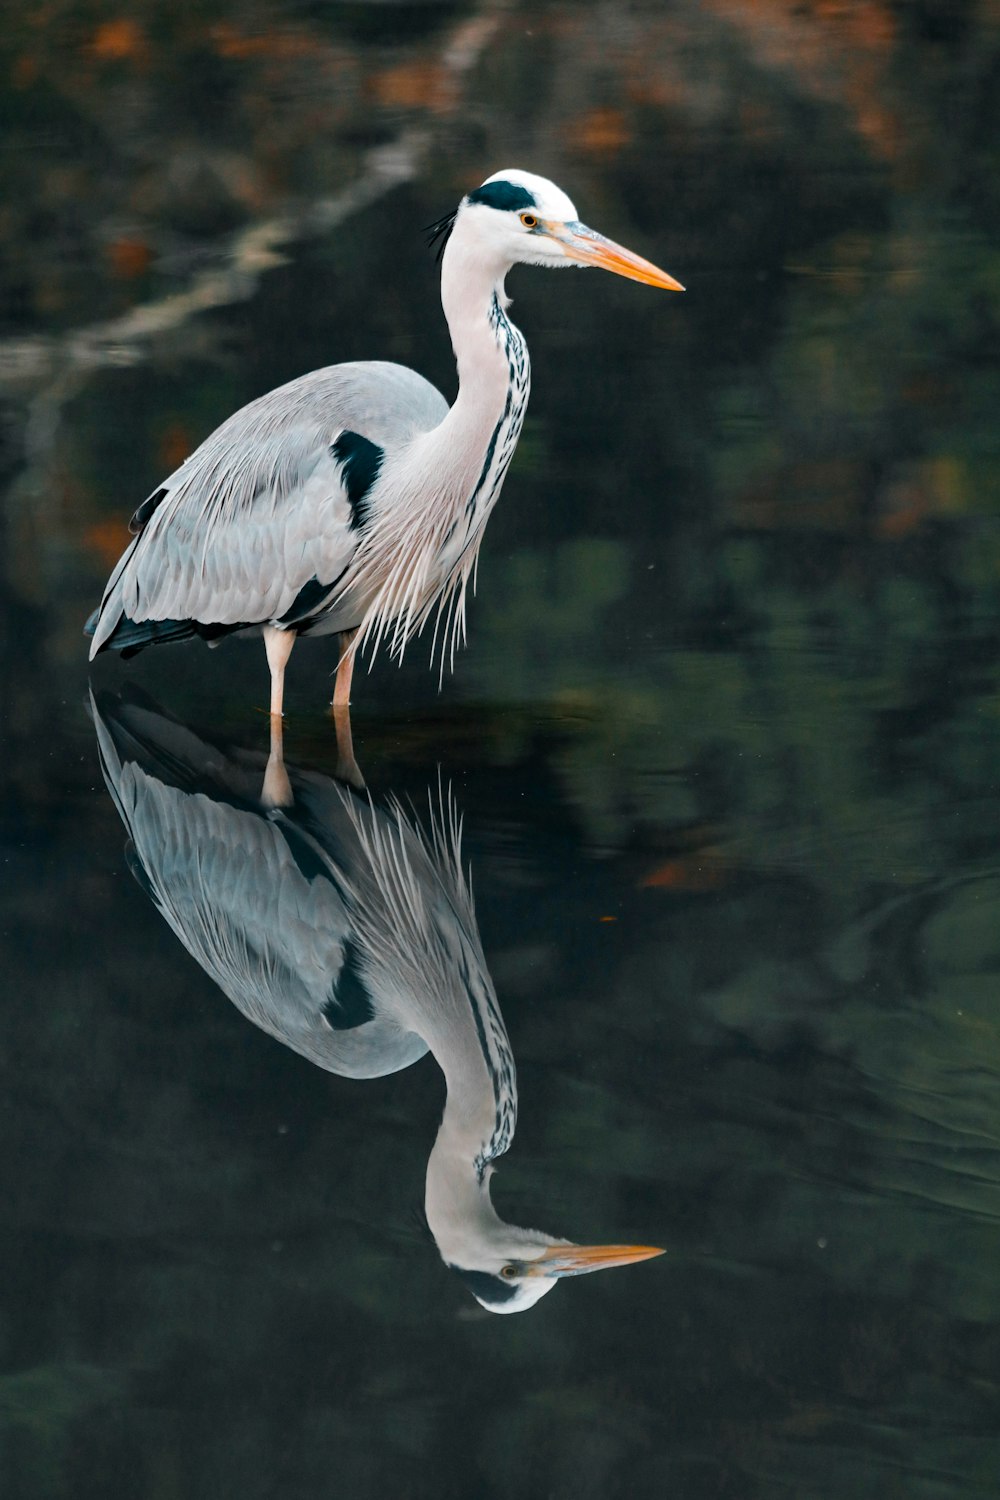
(262, 508)
(263, 919)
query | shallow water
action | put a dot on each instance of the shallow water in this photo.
(724, 739)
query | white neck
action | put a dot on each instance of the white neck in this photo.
(459, 1211)
(478, 1122)
(471, 286)
(435, 495)
(493, 374)
(457, 1203)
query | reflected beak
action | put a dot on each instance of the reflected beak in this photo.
(592, 249)
(577, 1260)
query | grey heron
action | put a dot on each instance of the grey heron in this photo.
(348, 934)
(353, 499)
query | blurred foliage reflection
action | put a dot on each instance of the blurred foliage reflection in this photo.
(726, 731)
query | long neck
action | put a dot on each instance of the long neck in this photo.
(473, 1051)
(494, 373)
(461, 464)
(435, 494)
(468, 1038)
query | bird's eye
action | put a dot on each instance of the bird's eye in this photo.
(529, 221)
(509, 1272)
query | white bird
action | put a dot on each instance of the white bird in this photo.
(349, 935)
(353, 500)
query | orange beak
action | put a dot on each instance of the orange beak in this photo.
(578, 1260)
(592, 249)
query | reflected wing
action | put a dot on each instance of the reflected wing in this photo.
(415, 921)
(267, 514)
(254, 899)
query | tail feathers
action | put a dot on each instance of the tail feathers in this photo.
(129, 636)
(113, 630)
(109, 615)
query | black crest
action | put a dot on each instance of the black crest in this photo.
(501, 195)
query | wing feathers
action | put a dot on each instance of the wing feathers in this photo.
(264, 506)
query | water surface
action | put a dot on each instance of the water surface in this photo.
(724, 739)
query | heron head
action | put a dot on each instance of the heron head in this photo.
(511, 1277)
(521, 218)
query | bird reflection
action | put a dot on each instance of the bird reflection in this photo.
(348, 932)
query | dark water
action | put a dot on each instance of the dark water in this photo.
(725, 740)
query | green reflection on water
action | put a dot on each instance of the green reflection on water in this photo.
(732, 681)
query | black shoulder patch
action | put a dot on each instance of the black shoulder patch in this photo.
(360, 461)
(486, 1287)
(145, 510)
(348, 1004)
(503, 195)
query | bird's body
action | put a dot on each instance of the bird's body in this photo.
(350, 936)
(354, 498)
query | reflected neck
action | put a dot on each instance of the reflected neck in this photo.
(457, 1203)
(480, 1114)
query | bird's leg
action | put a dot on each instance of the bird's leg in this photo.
(347, 767)
(340, 706)
(278, 645)
(345, 670)
(277, 789)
